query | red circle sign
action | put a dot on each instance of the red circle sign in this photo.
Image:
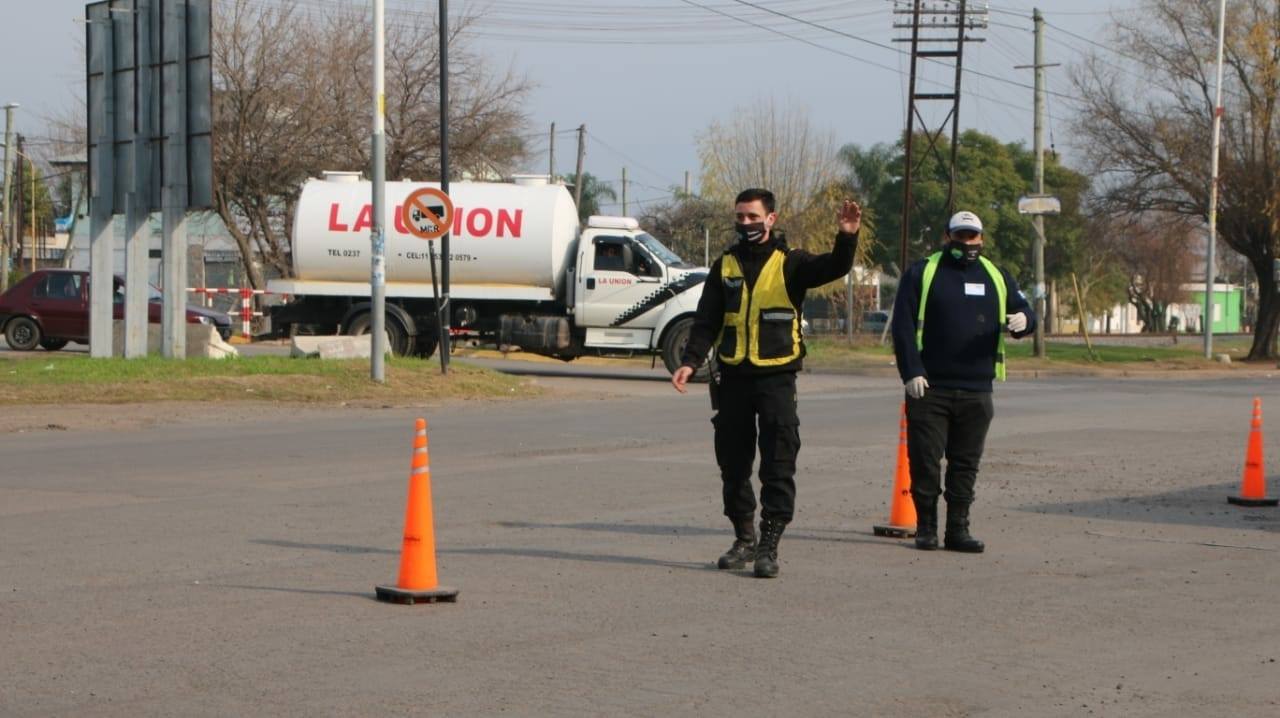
(427, 213)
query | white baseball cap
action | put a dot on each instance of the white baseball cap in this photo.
(965, 220)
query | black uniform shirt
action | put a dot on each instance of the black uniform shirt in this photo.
(961, 325)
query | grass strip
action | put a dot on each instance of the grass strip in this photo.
(64, 379)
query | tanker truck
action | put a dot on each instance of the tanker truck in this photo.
(523, 273)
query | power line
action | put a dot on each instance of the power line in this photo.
(881, 45)
(624, 156)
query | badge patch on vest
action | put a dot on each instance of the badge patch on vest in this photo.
(972, 289)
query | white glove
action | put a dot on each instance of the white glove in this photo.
(1017, 322)
(916, 386)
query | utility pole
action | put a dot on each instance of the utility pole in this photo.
(1038, 296)
(706, 246)
(577, 177)
(1038, 220)
(20, 207)
(624, 191)
(1213, 193)
(33, 214)
(378, 269)
(6, 236)
(686, 183)
(551, 156)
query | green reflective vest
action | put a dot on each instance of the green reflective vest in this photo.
(931, 268)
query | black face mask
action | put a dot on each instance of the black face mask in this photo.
(967, 253)
(750, 233)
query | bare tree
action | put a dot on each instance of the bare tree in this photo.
(778, 148)
(691, 226)
(1154, 253)
(1147, 130)
(767, 145)
(291, 97)
(1096, 260)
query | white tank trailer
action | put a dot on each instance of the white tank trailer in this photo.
(522, 273)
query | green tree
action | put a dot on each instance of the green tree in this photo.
(990, 177)
(592, 191)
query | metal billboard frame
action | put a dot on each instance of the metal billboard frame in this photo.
(149, 100)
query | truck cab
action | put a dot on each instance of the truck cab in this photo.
(630, 292)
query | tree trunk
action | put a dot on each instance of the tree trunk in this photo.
(242, 242)
(1265, 328)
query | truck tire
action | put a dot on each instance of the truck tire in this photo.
(53, 345)
(673, 345)
(398, 339)
(22, 334)
(425, 345)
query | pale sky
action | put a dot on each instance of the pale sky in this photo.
(646, 76)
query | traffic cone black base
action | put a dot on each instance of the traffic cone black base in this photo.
(408, 597)
(1242, 501)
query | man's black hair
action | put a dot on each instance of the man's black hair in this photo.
(755, 193)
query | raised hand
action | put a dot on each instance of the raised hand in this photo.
(850, 217)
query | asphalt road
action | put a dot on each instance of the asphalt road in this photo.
(223, 563)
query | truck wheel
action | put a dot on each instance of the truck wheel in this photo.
(425, 345)
(397, 338)
(23, 334)
(673, 348)
(53, 345)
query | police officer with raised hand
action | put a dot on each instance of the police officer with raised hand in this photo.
(949, 320)
(751, 312)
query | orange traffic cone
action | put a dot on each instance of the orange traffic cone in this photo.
(902, 512)
(417, 581)
(1253, 489)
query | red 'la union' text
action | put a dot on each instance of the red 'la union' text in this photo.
(479, 223)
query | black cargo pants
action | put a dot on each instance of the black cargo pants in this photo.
(951, 423)
(742, 403)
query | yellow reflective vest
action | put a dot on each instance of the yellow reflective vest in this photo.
(760, 324)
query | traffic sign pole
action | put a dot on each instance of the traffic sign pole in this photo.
(443, 310)
(427, 214)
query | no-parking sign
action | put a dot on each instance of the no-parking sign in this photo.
(427, 213)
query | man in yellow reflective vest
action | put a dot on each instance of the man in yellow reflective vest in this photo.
(948, 336)
(751, 311)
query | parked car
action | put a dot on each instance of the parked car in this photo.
(874, 321)
(50, 308)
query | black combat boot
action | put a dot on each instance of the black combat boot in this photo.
(926, 524)
(743, 550)
(957, 537)
(767, 551)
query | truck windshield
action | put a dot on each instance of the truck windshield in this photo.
(659, 250)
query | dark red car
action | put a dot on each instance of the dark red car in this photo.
(50, 308)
